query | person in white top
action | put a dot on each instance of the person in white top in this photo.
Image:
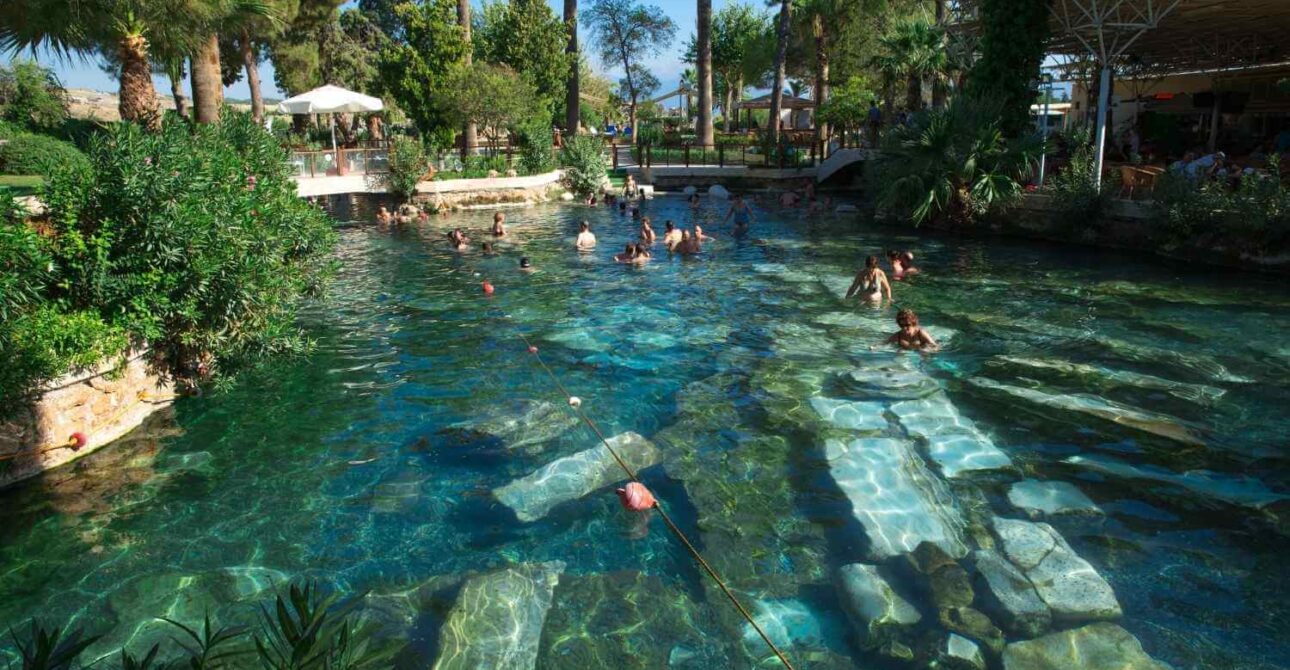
(586, 239)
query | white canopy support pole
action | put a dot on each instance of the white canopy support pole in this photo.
(1099, 140)
(335, 156)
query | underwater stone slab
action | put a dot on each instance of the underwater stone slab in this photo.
(791, 623)
(961, 653)
(1038, 498)
(1234, 489)
(1099, 646)
(572, 477)
(875, 609)
(855, 415)
(890, 382)
(497, 620)
(535, 422)
(893, 495)
(1010, 596)
(953, 441)
(1068, 584)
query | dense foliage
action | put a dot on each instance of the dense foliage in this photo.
(416, 71)
(585, 165)
(536, 146)
(31, 96)
(407, 165)
(624, 33)
(952, 166)
(30, 153)
(527, 37)
(1252, 218)
(1013, 33)
(848, 107)
(191, 240)
(1078, 198)
(493, 97)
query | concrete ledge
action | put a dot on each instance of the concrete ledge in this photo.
(104, 404)
(320, 186)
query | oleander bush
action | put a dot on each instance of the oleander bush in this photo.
(407, 165)
(1251, 216)
(29, 153)
(585, 164)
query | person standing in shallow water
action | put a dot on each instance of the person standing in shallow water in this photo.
(586, 239)
(741, 212)
(871, 283)
(499, 224)
(911, 336)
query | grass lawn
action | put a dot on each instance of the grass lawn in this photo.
(21, 184)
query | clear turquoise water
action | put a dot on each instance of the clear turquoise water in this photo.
(342, 467)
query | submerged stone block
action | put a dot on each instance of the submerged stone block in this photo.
(893, 495)
(1010, 596)
(1099, 646)
(1235, 489)
(1037, 498)
(852, 414)
(572, 477)
(527, 424)
(875, 609)
(953, 441)
(497, 620)
(1067, 584)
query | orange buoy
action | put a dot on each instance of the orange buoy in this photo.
(635, 497)
(488, 288)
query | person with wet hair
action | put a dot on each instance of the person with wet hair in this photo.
(628, 255)
(871, 283)
(586, 239)
(458, 239)
(901, 264)
(740, 211)
(911, 336)
(526, 265)
(642, 254)
(499, 224)
(671, 236)
(647, 231)
(487, 248)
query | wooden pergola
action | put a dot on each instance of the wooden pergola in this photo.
(1163, 35)
(787, 102)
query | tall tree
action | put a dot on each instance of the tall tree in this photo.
(781, 52)
(207, 82)
(1013, 33)
(626, 32)
(527, 36)
(572, 99)
(469, 140)
(414, 71)
(67, 27)
(740, 34)
(706, 138)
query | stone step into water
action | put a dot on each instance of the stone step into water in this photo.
(1099, 646)
(1150, 422)
(895, 498)
(876, 611)
(497, 620)
(1008, 595)
(1040, 498)
(890, 381)
(1198, 393)
(1238, 490)
(523, 425)
(572, 477)
(852, 414)
(1068, 584)
(953, 441)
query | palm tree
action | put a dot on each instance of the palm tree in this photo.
(211, 17)
(469, 138)
(83, 27)
(689, 83)
(572, 101)
(207, 83)
(706, 138)
(781, 52)
(916, 51)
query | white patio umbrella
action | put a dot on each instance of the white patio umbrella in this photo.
(330, 100)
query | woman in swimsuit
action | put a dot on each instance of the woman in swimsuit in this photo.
(740, 211)
(642, 255)
(911, 337)
(647, 231)
(628, 255)
(871, 283)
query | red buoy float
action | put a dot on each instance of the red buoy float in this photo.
(77, 440)
(488, 288)
(532, 349)
(635, 497)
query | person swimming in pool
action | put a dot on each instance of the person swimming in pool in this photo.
(901, 264)
(628, 254)
(911, 336)
(629, 188)
(487, 248)
(458, 239)
(694, 201)
(642, 254)
(499, 224)
(586, 239)
(741, 212)
(871, 283)
(383, 215)
(701, 236)
(670, 235)
(526, 266)
(647, 231)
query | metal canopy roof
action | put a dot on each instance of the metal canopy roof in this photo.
(1166, 35)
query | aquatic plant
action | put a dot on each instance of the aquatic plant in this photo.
(56, 648)
(585, 165)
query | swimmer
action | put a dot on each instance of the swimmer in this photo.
(526, 266)
(688, 244)
(642, 255)
(487, 248)
(591, 200)
(901, 264)
(694, 201)
(586, 239)
(636, 213)
(458, 239)
(647, 231)
(870, 283)
(671, 236)
(383, 215)
(911, 337)
(628, 255)
(700, 236)
(423, 216)
(788, 199)
(499, 224)
(629, 189)
(622, 206)
(741, 212)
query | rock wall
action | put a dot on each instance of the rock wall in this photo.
(102, 404)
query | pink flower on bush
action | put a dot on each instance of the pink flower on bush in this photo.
(250, 182)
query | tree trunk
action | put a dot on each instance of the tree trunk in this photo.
(469, 138)
(781, 52)
(728, 111)
(177, 92)
(572, 102)
(208, 88)
(739, 97)
(821, 76)
(137, 98)
(706, 139)
(914, 94)
(939, 79)
(252, 76)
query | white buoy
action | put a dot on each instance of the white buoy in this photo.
(575, 402)
(566, 196)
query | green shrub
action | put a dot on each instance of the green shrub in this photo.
(1252, 218)
(41, 344)
(24, 261)
(31, 96)
(1080, 201)
(192, 239)
(407, 165)
(585, 164)
(536, 142)
(29, 153)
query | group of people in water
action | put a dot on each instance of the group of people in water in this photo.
(871, 284)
